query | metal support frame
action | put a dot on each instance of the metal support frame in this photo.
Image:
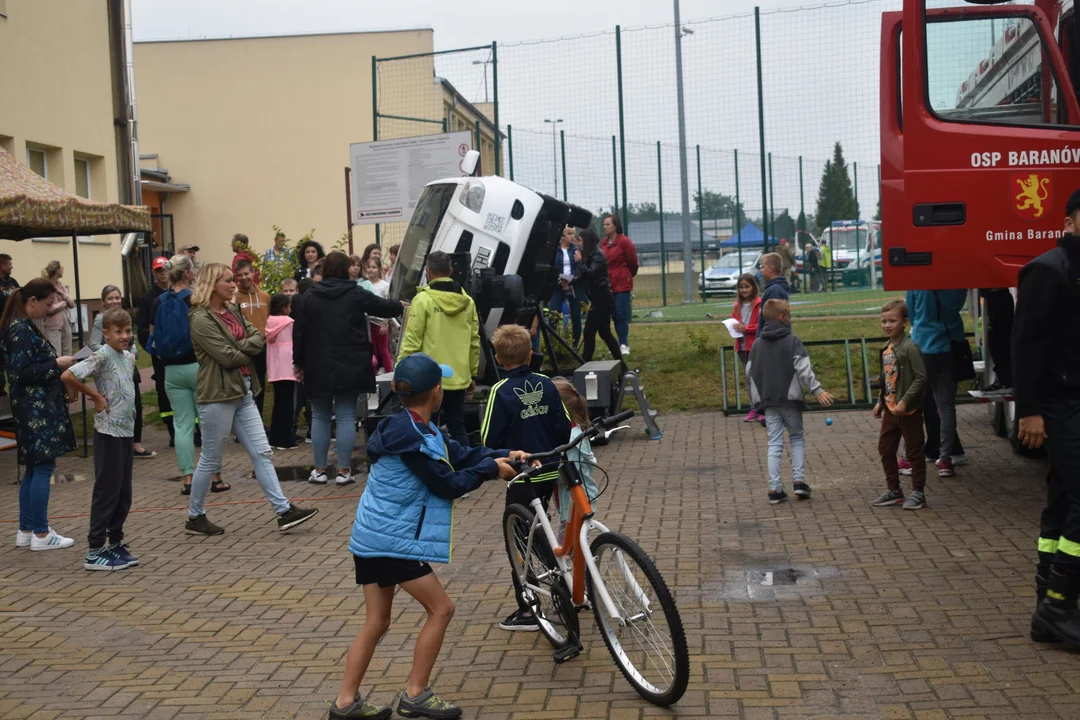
(701, 220)
(622, 126)
(632, 380)
(663, 256)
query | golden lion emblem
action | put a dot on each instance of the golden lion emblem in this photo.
(1032, 193)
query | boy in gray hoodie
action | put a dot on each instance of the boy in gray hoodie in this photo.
(779, 368)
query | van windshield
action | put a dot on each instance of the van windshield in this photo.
(419, 236)
(845, 239)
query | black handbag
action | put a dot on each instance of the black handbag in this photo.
(959, 352)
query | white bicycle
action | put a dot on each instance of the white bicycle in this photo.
(633, 607)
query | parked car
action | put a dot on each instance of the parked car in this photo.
(723, 277)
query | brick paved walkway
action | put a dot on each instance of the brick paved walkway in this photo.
(892, 614)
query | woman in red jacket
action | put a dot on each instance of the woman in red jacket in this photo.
(746, 313)
(622, 267)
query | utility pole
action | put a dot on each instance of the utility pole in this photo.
(684, 181)
(554, 155)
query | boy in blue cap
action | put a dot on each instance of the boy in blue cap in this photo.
(403, 522)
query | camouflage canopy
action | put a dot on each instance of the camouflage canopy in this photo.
(31, 206)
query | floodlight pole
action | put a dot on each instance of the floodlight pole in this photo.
(554, 155)
(684, 180)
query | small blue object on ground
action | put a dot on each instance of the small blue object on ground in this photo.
(828, 421)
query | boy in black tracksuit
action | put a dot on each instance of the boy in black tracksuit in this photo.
(1046, 386)
(525, 410)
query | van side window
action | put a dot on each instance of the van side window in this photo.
(502, 255)
(990, 71)
(464, 243)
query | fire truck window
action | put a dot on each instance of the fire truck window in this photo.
(502, 254)
(419, 236)
(464, 243)
(990, 71)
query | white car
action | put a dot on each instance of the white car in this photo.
(723, 277)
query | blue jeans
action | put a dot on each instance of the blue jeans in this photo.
(622, 317)
(344, 405)
(34, 497)
(556, 303)
(776, 420)
(242, 418)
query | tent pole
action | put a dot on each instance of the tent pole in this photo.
(79, 326)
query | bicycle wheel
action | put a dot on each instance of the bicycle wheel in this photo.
(650, 645)
(549, 598)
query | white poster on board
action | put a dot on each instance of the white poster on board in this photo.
(389, 175)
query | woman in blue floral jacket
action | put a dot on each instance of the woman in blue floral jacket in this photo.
(43, 427)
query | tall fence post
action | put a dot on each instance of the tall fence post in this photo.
(858, 243)
(615, 172)
(562, 143)
(510, 149)
(622, 126)
(738, 212)
(772, 199)
(701, 221)
(663, 256)
(375, 114)
(761, 129)
(495, 97)
(802, 199)
(480, 146)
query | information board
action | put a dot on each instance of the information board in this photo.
(389, 175)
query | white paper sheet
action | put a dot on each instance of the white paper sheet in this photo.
(730, 324)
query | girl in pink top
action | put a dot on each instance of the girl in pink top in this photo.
(280, 373)
(57, 327)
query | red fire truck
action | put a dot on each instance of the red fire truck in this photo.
(980, 144)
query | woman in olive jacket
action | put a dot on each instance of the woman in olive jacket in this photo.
(225, 344)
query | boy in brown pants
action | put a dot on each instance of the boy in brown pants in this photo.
(903, 380)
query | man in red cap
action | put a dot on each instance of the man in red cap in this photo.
(143, 321)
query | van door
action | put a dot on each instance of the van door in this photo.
(978, 143)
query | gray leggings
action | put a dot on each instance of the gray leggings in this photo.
(939, 373)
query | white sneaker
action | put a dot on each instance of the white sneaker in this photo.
(22, 539)
(317, 478)
(52, 541)
(344, 478)
(624, 349)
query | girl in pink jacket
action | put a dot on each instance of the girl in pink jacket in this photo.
(279, 372)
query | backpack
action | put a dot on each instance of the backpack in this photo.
(171, 340)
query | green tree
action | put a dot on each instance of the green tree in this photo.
(783, 227)
(836, 198)
(877, 215)
(801, 222)
(717, 205)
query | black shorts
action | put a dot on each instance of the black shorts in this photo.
(388, 572)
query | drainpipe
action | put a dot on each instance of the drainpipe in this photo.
(132, 114)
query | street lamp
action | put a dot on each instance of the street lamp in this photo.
(554, 154)
(485, 63)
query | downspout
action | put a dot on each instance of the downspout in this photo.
(132, 113)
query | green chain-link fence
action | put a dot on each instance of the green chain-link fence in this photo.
(782, 132)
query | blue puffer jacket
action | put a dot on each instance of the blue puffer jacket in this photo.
(407, 509)
(935, 318)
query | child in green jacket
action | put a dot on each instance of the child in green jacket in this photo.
(899, 405)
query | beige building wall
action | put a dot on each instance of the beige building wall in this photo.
(260, 128)
(56, 101)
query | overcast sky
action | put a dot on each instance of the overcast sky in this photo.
(457, 23)
(820, 75)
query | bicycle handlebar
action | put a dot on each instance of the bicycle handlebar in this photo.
(594, 429)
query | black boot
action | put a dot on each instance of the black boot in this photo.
(1039, 633)
(1057, 612)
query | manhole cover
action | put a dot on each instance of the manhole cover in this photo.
(788, 576)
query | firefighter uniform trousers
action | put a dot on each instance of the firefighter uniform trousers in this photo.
(1059, 534)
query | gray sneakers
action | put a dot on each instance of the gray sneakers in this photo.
(427, 705)
(360, 709)
(915, 501)
(889, 497)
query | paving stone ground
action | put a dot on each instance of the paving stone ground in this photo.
(893, 614)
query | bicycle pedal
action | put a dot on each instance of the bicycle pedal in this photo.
(568, 651)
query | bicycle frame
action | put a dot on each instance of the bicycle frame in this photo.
(581, 523)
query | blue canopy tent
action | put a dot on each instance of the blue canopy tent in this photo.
(751, 236)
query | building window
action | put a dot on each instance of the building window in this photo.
(82, 177)
(35, 160)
